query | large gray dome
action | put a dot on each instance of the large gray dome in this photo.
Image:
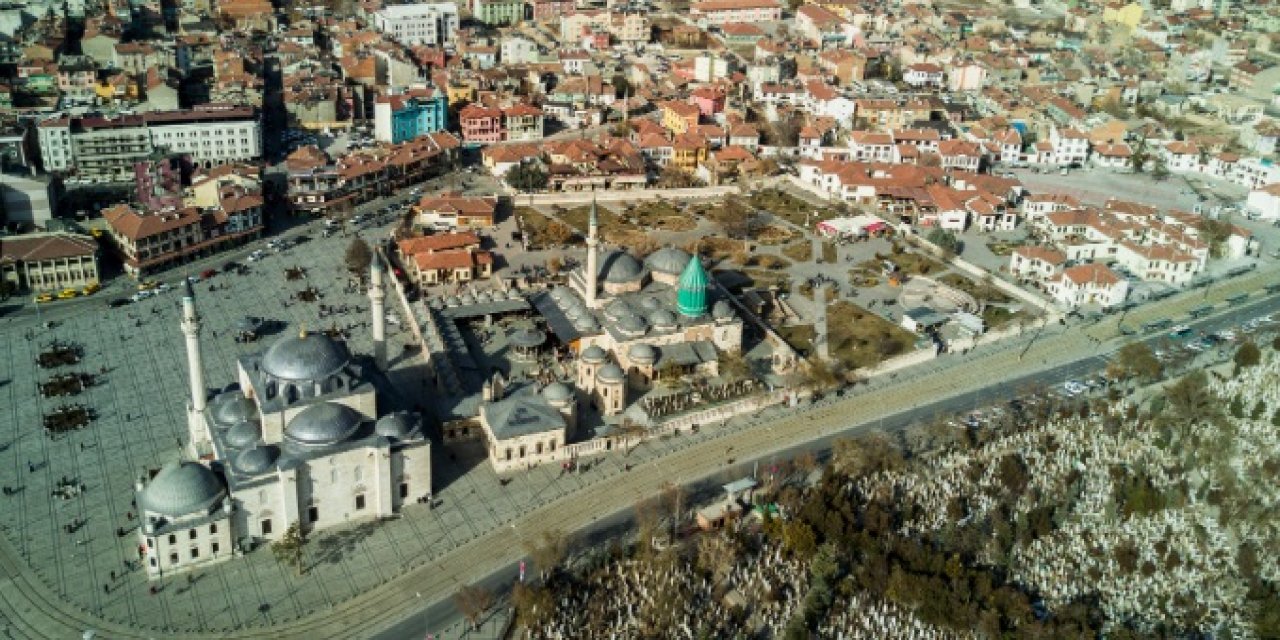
(557, 392)
(256, 460)
(632, 326)
(641, 353)
(305, 357)
(243, 435)
(232, 408)
(399, 425)
(181, 488)
(668, 260)
(323, 423)
(619, 267)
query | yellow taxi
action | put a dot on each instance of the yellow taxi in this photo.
(67, 294)
(90, 289)
(97, 233)
(44, 297)
(147, 285)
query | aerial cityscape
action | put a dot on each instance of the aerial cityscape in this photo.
(561, 319)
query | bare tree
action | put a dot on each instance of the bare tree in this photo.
(534, 605)
(716, 555)
(473, 601)
(673, 500)
(548, 551)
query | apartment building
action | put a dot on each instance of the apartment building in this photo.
(418, 24)
(102, 149)
(719, 12)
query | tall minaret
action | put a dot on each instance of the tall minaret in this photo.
(377, 294)
(196, 427)
(593, 228)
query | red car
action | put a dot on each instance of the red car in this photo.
(208, 273)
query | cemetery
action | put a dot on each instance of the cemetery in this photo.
(1148, 515)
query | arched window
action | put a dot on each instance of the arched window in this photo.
(290, 394)
(271, 389)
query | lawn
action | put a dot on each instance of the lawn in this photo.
(774, 234)
(782, 204)
(981, 291)
(764, 278)
(541, 229)
(719, 249)
(799, 336)
(766, 261)
(829, 252)
(996, 316)
(1001, 247)
(860, 338)
(801, 251)
(659, 214)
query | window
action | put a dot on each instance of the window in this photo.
(313, 514)
(173, 558)
(191, 534)
(359, 502)
(266, 527)
(404, 489)
(173, 539)
(195, 553)
(213, 528)
(153, 562)
(214, 548)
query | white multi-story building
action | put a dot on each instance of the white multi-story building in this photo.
(1069, 146)
(414, 24)
(718, 12)
(102, 149)
(212, 137)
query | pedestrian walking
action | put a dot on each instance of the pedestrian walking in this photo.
(106, 588)
(152, 589)
(31, 466)
(113, 576)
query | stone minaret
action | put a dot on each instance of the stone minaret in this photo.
(196, 427)
(593, 269)
(377, 295)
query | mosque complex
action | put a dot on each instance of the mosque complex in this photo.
(625, 349)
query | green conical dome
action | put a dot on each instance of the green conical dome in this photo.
(692, 296)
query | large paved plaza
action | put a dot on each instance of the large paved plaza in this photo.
(140, 405)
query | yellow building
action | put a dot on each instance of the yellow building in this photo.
(460, 93)
(688, 151)
(1129, 15)
(679, 117)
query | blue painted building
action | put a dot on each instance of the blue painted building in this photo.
(402, 117)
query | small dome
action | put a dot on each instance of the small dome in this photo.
(528, 338)
(305, 357)
(557, 392)
(512, 294)
(609, 373)
(663, 320)
(650, 303)
(641, 353)
(399, 425)
(593, 354)
(323, 423)
(618, 267)
(632, 326)
(586, 324)
(256, 460)
(466, 299)
(232, 407)
(722, 310)
(483, 296)
(243, 435)
(668, 260)
(618, 309)
(452, 301)
(181, 488)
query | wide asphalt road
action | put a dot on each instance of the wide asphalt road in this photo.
(437, 615)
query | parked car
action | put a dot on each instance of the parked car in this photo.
(118, 302)
(44, 297)
(67, 294)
